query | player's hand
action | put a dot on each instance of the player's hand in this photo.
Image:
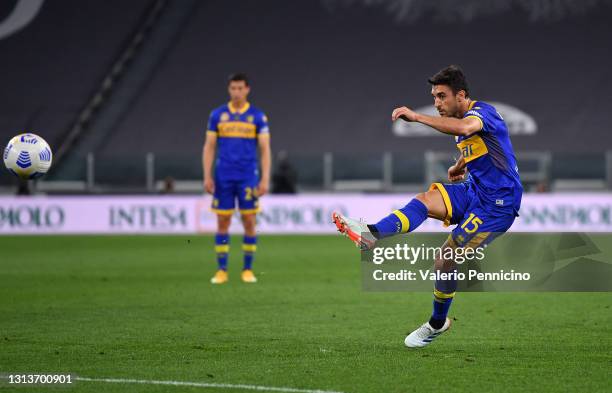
(456, 173)
(263, 187)
(209, 186)
(403, 113)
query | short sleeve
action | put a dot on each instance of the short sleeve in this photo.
(477, 114)
(486, 114)
(262, 124)
(213, 122)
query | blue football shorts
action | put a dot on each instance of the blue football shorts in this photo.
(477, 222)
(228, 191)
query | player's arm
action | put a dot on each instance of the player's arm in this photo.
(265, 156)
(208, 157)
(448, 125)
(457, 171)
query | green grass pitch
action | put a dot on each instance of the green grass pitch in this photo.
(141, 307)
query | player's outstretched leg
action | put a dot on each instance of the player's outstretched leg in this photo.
(356, 230)
(404, 220)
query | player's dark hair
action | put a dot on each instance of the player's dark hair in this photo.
(453, 77)
(237, 77)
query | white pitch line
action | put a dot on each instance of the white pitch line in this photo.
(205, 385)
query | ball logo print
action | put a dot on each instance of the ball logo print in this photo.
(23, 160)
(28, 156)
(28, 138)
(45, 155)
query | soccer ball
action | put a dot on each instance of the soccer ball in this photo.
(28, 156)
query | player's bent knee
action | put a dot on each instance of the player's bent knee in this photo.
(422, 197)
(432, 199)
(429, 199)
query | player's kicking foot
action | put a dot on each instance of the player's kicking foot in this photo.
(425, 334)
(220, 277)
(248, 276)
(357, 231)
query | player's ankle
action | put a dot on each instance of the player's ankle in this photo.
(437, 323)
(374, 231)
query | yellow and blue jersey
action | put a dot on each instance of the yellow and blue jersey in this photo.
(237, 132)
(490, 160)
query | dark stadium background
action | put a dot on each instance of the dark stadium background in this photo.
(327, 73)
(105, 268)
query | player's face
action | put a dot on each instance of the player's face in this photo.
(238, 91)
(445, 101)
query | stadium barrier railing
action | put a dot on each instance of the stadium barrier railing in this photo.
(153, 173)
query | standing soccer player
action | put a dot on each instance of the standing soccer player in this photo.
(236, 131)
(482, 207)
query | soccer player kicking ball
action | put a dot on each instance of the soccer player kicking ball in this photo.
(235, 132)
(482, 207)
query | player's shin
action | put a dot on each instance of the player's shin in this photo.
(444, 292)
(222, 249)
(406, 219)
(249, 246)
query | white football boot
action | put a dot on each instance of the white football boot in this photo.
(425, 334)
(357, 231)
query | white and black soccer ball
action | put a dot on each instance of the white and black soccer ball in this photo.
(28, 156)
